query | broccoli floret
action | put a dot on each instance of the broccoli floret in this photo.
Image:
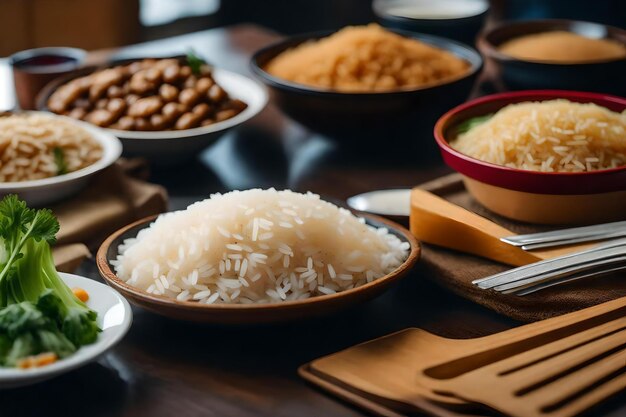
(39, 313)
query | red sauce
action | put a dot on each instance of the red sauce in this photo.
(46, 63)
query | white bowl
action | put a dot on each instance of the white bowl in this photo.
(114, 318)
(48, 190)
(170, 147)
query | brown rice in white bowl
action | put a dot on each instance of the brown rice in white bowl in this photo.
(35, 146)
(257, 246)
(45, 158)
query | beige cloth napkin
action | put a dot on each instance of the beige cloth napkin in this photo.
(113, 199)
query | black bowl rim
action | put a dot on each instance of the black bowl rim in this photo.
(382, 14)
(490, 49)
(474, 58)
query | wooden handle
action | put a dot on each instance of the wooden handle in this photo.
(439, 222)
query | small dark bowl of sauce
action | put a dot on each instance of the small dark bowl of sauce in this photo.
(34, 68)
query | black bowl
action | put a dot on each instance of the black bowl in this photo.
(398, 114)
(516, 74)
(463, 28)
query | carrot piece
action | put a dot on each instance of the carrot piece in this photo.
(44, 359)
(36, 361)
(25, 363)
(81, 294)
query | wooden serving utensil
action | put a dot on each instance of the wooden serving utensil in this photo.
(560, 378)
(395, 367)
(377, 406)
(437, 221)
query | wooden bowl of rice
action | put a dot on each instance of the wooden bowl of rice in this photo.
(252, 313)
(578, 192)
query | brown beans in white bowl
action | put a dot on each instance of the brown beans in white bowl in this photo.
(134, 96)
(168, 124)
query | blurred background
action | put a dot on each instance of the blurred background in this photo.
(97, 24)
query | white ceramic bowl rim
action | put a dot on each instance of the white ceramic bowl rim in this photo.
(111, 147)
(256, 99)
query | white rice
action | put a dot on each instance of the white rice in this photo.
(257, 246)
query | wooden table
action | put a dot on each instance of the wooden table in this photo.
(168, 368)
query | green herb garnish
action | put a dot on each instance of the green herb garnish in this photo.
(38, 312)
(59, 160)
(195, 62)
(469, 124)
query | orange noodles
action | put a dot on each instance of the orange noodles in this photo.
(364, 59)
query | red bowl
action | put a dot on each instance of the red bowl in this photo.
(523, 185)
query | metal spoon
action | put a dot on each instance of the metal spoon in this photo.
(392, 202)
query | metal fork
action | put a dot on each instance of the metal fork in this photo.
(568, 236)
(527, 279)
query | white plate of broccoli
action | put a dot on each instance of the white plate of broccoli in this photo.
(50, 322)
(114, 319)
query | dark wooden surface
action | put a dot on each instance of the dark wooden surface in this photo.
(167, 368)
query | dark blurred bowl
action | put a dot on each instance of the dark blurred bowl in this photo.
(517, 74)
(398, 114)
(445, 18)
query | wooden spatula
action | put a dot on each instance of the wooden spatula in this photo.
(559, 379)
(393, 367)
(437, 221)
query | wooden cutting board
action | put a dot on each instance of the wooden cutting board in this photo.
(455, 270)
